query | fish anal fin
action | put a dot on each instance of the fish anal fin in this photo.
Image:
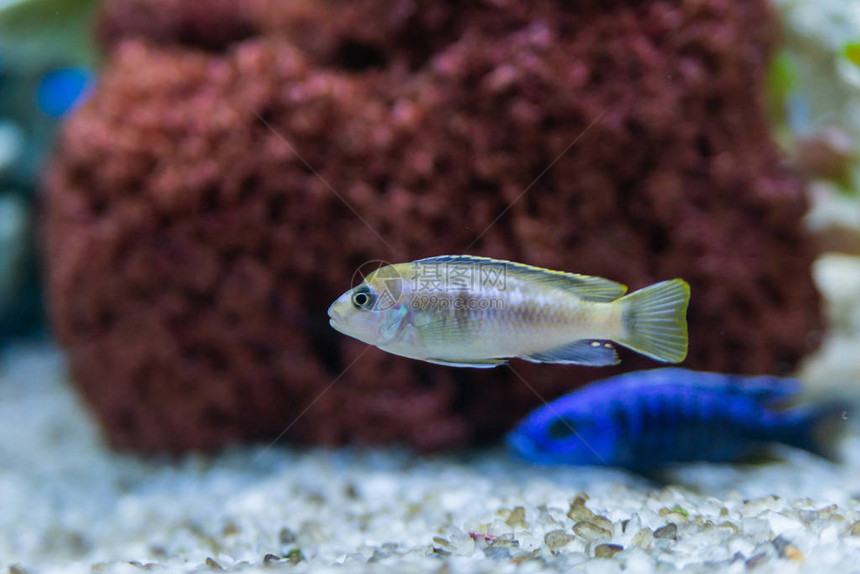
(583, 352)
(479, 364)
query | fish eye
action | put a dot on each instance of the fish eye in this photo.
(363, 298)
(561, 428)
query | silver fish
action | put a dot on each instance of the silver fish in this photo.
(466, 311)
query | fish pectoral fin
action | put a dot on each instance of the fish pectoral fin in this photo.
(480, 364)
(581, 352)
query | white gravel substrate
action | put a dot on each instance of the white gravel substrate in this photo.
(69, 505)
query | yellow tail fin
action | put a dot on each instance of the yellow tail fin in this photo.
(654, 320)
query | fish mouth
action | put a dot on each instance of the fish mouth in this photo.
(521, 446)
(335, 319)
(526, 449)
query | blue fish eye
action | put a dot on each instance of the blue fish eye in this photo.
(363, 298)
(561, 428)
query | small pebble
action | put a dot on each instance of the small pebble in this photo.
(210, 562)
(506, 540)
(756, 561)
(315, 497)
(666, 511)
(286, 536)
(590, 531)
(668, 531)
(526, 556)
(497, 552)
(607, 550)
(792, 552)
(643, 538)
(294, 556)
(377, 556)
(443, 542)
(730, 525)
(786, 549)
(780, 542)
(604, 523)
(808, 516)
(517, 517)
(578, 510)
(556, 539)
(271, 559)
(828, 510)
(855, 529)
(17, 569)
(229, 528)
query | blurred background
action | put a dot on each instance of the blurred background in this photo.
(47, 67)
(51, 56)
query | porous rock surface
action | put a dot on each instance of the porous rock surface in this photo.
(218, 192)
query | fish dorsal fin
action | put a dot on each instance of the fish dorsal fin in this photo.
(586, 287)
(767, 390)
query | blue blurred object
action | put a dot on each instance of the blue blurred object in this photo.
(647, 419)
(60, 91)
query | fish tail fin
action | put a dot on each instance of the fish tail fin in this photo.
(654, 320)
(818, 428)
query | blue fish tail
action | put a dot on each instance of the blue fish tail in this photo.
(817, 428)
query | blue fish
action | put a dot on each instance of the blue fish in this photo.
(647, 419)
